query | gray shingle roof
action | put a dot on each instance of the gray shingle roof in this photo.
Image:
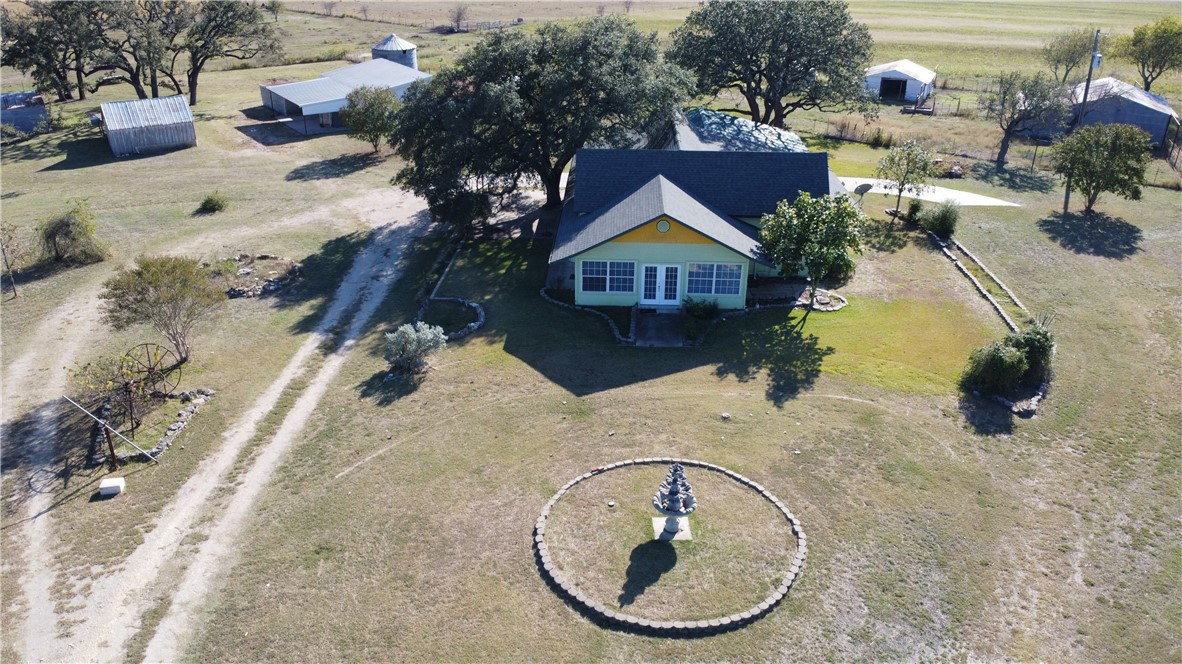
(134, 113)
(739, 184)
(657, 197)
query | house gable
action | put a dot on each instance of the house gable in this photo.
(674, 232)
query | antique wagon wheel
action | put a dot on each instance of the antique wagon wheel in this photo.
(153, 368)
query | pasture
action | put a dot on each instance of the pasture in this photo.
(397, 526)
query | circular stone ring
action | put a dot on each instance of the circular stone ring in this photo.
(563, 585)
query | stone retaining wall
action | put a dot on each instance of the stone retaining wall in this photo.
(976, 284)
(616, 620)
(98, 440)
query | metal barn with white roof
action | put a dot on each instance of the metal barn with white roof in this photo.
(901, 80)
(318, 101)
(138, 126)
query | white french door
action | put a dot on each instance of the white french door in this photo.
(661, 285)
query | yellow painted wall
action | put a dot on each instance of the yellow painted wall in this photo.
(678, 233)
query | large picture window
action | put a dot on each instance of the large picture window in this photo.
(714, 278)
(609, 276)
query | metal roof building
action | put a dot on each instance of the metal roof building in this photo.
(901, 80)
(325, 96)
(148, 125)
(1113, 101)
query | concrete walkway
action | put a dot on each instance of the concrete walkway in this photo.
(929, 193)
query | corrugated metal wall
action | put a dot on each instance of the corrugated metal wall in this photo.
(139, 140)
(1119, 109)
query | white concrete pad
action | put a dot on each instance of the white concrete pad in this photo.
(930, 193)
(112, 486)
(683, 529)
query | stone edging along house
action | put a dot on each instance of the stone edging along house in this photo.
(655, 227)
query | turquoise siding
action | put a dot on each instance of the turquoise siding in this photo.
(643, 253)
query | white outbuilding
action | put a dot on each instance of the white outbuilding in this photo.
(901, 80)
(315, 105)
(139, 126)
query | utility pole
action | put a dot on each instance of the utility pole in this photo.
(1083, 107)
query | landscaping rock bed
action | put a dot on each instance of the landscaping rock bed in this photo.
(193, 399)
(247, 275)
(614, 619)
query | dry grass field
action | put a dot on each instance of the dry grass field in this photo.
(398, 524)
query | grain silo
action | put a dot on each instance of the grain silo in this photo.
(397, 49)
(148, 125)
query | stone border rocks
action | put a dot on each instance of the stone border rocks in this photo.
(597, 612)
(264, 286)
(98, 441)
(629, 340)
(976, 284)
(463, 331)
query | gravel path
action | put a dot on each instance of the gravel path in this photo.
(109, 614)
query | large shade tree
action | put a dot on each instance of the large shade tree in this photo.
(1154, 48)
(519, 105)
(1021, 103)
(57, 43)
(1068, 51)
(1104, 157)
(235, 30)
(780, 56)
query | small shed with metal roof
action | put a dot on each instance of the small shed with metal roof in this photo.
(396, 49)
(140, 126)
(1111, 101)
(318, 101)
(901, 80)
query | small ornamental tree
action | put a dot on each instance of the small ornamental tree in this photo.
(1155, 48)
(407, 347)
(813, 233)
(171, 293)
(70, 237)
(370, 114)
(1104, 157)
(906, 168)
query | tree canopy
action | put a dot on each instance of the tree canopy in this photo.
(906, 167)
(370, 114)
(1104, 157)
(780, 56)
(148, 44)
(813, 233)
(1023, 103)
(1066, 51)
(519, 105)
(1155, 48)
(171, 293)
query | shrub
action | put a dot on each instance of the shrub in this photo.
(9, 132)
(215, 202)
(995, 368)
(407, 347)
(941, 219)
(1038, 344)
(71, 236)
(700, 309)
(226, 267)
(914, 208)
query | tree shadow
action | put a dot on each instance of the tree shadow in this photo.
(1094, 233)
(986, 417)
(884, 236)
(791, 359)
(32, 273)
(646, 564)
(336, 167)
(43, 451)
(386, 388)
(1014, 179)
(320, 275)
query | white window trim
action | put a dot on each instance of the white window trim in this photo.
(713, 278)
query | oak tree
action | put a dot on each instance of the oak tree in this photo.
(1104, 158)
(1155, 48)
(1023, 103)
(780, 56)
(370, 114)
